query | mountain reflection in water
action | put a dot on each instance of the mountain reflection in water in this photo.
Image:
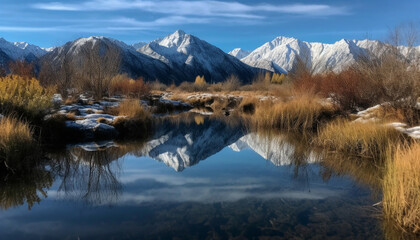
(228, 183)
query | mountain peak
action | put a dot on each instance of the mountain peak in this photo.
(239, 53)
(180, 32)
(174, 40)
(281, 40)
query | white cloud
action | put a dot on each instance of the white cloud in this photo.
(196, 8)
(27, 29)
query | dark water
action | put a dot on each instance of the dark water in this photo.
(194, 178)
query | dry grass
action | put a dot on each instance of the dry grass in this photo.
(133, 109)
(367, 140)
(300, 113)
(16, 141)
(136, 123)
(401, 188)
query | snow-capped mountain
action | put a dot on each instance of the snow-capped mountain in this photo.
(132, 62)
(11, 51)
(281, 54)
(176, 58)
(192, 56)
(239, 53)
(20, 50)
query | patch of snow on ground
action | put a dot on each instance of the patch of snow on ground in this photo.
(413, 132)
(201, 112)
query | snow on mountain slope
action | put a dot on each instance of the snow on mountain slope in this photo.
(192, 56)
(281, 54)
(239, 53)
(21, 50)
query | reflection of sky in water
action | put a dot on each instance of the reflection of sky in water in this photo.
(151, 190)
(226, 176)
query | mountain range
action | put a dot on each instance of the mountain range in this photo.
(181, 57)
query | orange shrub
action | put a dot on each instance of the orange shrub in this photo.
(347, 88)
(122, 84)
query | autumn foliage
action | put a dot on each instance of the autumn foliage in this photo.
(122, 84)
(200, 80)
(24, 96)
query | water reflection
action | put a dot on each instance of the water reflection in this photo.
(185, 140)
(88, 173)
(242, 185)
(24, 187)
(27, 182)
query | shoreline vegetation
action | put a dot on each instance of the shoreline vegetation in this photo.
(326, 106)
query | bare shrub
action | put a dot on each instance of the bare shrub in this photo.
(158, 86)
(232, 83)
(193, 87)
(216, 87)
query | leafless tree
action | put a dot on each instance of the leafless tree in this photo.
(63, 75)
(100, 64)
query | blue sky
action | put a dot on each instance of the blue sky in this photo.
(226, 24)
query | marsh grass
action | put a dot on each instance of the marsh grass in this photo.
(298, 114)
(133, 109)
(16, 142)
(135, 121)
(366, 140)
(401, 188)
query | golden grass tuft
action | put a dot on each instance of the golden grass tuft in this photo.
(16, 141)
(401, 188)
(133, 109)
(367, 140)
(300, 113)
(135, 121)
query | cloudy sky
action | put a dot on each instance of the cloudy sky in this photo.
(226, 24)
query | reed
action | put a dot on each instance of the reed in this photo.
(367, 140)
(401, 188)
(299, 114)
(16, 142)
